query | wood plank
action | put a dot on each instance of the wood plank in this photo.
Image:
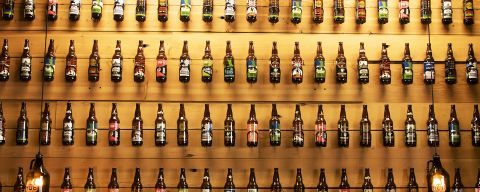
(19, 90)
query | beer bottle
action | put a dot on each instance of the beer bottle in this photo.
(52, 10)
(322, 182)
(429, 67)
(26, 63)
(229, 65)
(360, 11)
(472, 70)
(407, 66)
(404, 15)
(97, 9)
(90, 184)
(319, 63)
(182, 184)
(426, 12)
(382, 11)
(45, 126)
(137, 184)
(185, 8)
(207, 11)
(113, 186)
(29, 10)
(388, 133)
(22, 126)
(49, 63)
(94, 63)
(19, 185)
(362, 61)
(184, 64)
(344, 186)
(252, 129)
(410, 129)
(365, 129)
(298, 135)
(182, 127)
(162, 10)
(114, 127)
(390, 186)
(4, 62)
(207, 69)
(457, 183)
(68, 126)
(92, 127)
(343, 135)
(74, 13)
(297, 63)
(367, 182)
(338, 11)
(477, 185)
(252, 182)
(67, 184)
(432, 128)
(318, 11)
(229, 126)
(251, 11)
(2, 125)
(341, 64)
(141, 11)
(229, 185)
(275, 71)
(412, 182)
(276, 185)
(385, 72)
(273, 11)
(450, 71)
(299, 186)
(71, 64)
(468, 12)
(117, 64)
(447, 12)
(161, 69)
(8, 9)
(160, 127)
(118, 10)
(207, 128)
(230, 11)
(160, 185)
(252, 70)
(137, 127)
(139, 69)
(275, 131)
(206, 185)
(320, 128)
(296, 17)
(475, 127)
(454, 128)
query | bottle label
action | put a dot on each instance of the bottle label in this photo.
(114, 132)
(52, 7)
(320, 71)
(74, 7)
(139, 69)
(92, 130)
(275, 70)
(26, 67)
(93, 68)
(477, 189)
(22, 134)
(89, 190)
(341, 69)
(229, 133)
(298, 135)
(137, 135)
(404, 9)
(368, 190)
(296, 9)
(426, 12)
(447, 9)
(162, 2)
(230, 8)
(363, 72)
(161, 132)
(68, 132)
(185, 68)
(382, 9)
(29, 8)
(119, 6)
(275, 132)
(252, 190)
(411, 134)
(97, 6)
(49, 67)
(343, 133)
(454, 130)
(4, 68)
(117, 67)
(365, 132)
(207, 132)
(185, 7)
(209, 190)
(429, 70)
(161, 68)
(432, 132)
(318, 8)
(252, 135)
(140, 11)
(320, 133)
(407, 72)
(2, 132)
(229, 70)
(388, 133)
(468, 9)
(475, 133)
(207, 70)
(183, 190)
(472, 71)
(251, 68)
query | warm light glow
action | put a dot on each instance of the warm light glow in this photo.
(38, 181)
(438, 183)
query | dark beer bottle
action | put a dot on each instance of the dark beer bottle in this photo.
(49, 63)
(22, 126)
(338, 11)
(475, 127)
(184, 69)
(252, 128)
(365, 129)
(297, 64)
(298, 135)
(447, 12)
(390, 186)
(114, 127)
(67, 183)
(472, 70)
(387, 127)
(429, 67)
(343, 135)
(457, 183)
(299, 186)
(275, 71)
(160, 127)
(468, 12)
(230, 9)
(182, 127)
(207, 68)
(97, 9)
(139, 69)
(407, 66)
(207, 128)
(161, 69)
(360, 11)
(117, 63)
(454, 128)
(412, 182)
(94, 63)
(8, 9)
(252, 70)
(26, 63)
(207, 11)
(118, 10)
(344, 186)
(137, 183)
(320, 128)
(276, 185)
(2, 125)
(92, 127)
(362, 61)
(252, 182)
(477, 184)
(322, 182)
(367, 185)
(137, 127)
(410, 129)
(52, 10)
(228, 65)
(90, 184)
(432, 128)
(275, 131)
(4, 62)
(450, 71)
(229, 185)
(382, 11)
(296, 11)
(160, 185)
(141, 11)
(19, 185)
(385, 71)
(229, 128)
(68, 126)
(273, 11)
(317, 11)
(182, 184)
(29, 10)
(251, 11)
(319, 64)
(162, 10)
(341, 64)
(74, 13)
(206, 185)
(71, 64)
(185, 9)
(404, 15)
(426, 12)
(113, 186)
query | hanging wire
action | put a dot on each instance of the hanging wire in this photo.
(43, 82)
(431, 86)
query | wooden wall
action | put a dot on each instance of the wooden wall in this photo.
(218, 158)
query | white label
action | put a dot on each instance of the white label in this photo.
(252, 3)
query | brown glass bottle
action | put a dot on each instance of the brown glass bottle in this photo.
(67, 181)
(19, 185)
(251, 11)
(94, 63)
(26, 63)
(252, 128)
(207, 68)
(432, 129)
(274, 129)
(407, 66)
(468, 12)
(385, 72)
(453, 128)
(475, 126)
(206, 128)
(160, 127)
(252, 71)
(162, 10)
(182, 184)
(207, 11)
(410, 129)
(8, 10)
(49, 63)
(297, 64)
(4, 62)
(360, 11)
(92, 127)
(45, 126)
(317, 11)
(382, 11)
(139, 69)
(184, 70)
(161, 68)
(447, 12)
(276, 185)
(320, 128)
(365, 129)
(426, 12)
(367, 181)
(299, 186)
(450, 69)
(22, 126)
(118, 10)
(71, 64)
(117, 63)
(141, 11)
(90, 184)
(404, 15)
(229, 185)
(429, 67)
(390, 186)
(68, 126)
(344, 186)
(52, 10)
(412, 182)
(2, 125)
(113, 186)
(114, 127)
(230, 9)
(457, 182)
(137, 183)
(273, 11)
(338, 11)
(229, 65)
(362, 61)
(185, 9)
(341, 65)
(206, 185)
(160, 185)
(182, 127)
(275, 71)
(29, 10)
(229, 128)
(137, 127)
(387, 129)
(298, 135)
(319, 64)
(322, 182)
(343, 134)
(472, 69)
(252, 182)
